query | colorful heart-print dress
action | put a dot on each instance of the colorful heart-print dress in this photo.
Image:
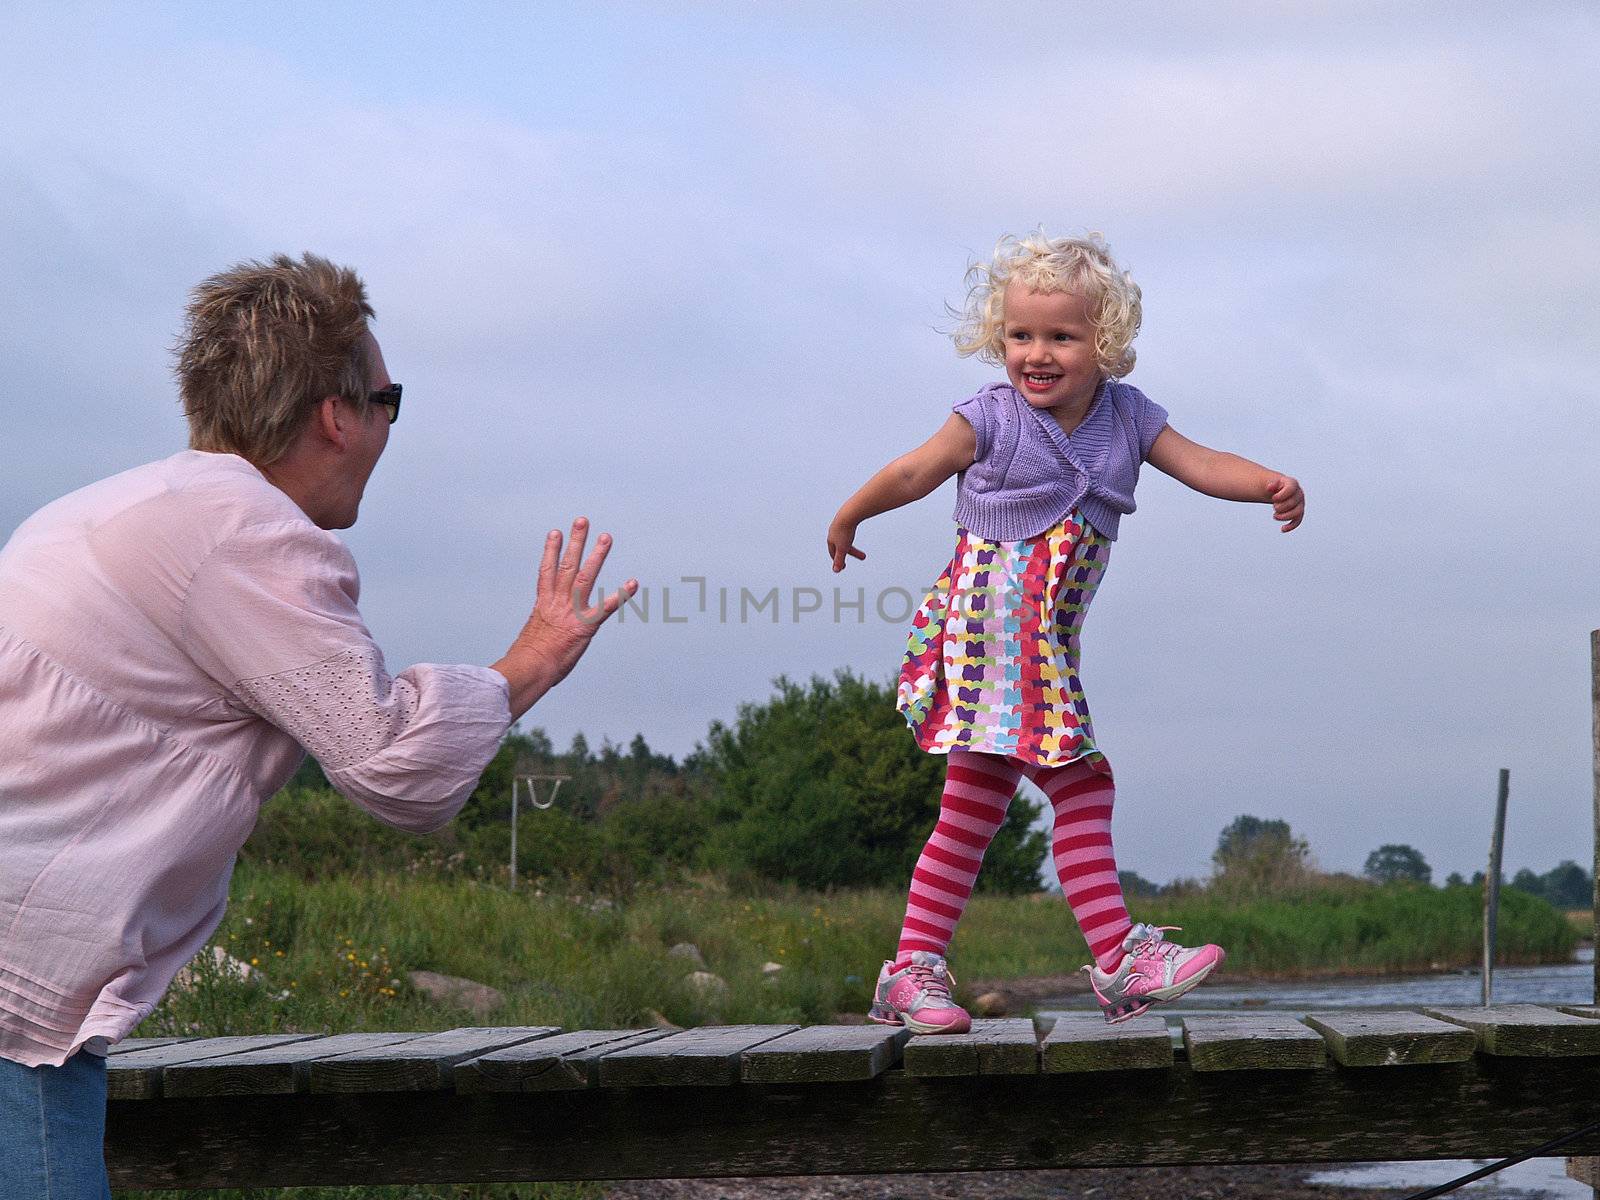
(992, 659)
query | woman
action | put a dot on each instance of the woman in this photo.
(171, 640)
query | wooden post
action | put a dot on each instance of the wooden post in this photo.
(1587, 1170)
(1594, 672)
(1491, 886)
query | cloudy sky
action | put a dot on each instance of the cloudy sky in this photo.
(684, 269)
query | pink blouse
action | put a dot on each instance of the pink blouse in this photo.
(170, 638)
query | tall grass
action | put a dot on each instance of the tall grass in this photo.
(335, 954)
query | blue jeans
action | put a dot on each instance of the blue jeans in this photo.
(53, 1130)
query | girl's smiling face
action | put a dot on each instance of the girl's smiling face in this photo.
(1050, 355)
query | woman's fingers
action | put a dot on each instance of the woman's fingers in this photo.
(547, 563)
(596, 616)
(574, 553)
(566, 577)
(590, 571)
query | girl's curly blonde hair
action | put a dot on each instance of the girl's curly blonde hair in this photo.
(1045, 264)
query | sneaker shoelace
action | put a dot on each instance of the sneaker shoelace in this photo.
(1156, 943)
(933, 982)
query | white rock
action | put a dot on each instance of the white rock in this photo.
(771, 969)
(227, 966)
(991, 1004)
(689, 952)
(707, 986)
(479, 999)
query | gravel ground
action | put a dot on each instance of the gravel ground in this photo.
(1122, 1183)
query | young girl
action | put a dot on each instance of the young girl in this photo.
(1046, 464)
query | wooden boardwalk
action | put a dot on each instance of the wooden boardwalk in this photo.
(546, 1104)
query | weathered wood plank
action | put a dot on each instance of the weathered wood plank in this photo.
(271, 1070)
(1486, 1107)
(705, 1057)
(1391, 1039)
(137, 1074)
(993, 1047)
(129, 1045)
(1085, 1042)
(1591, 1011)
(825, 1054)
(417, 1065)
(559, 1063)
(1525, 1030)
(1251, 1042)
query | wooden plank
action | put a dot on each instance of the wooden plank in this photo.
(1486, 1107)
(1592, 1012)
(1085, 1042)
(1525, 1030)
(1391, 1039)
(825, 1053)
(997, 1046)
(559, 1063)
(1251, 1042)
(129, 1045)
(272, 1070)
(705, 1057)
(418, 1065)
(137, 1075)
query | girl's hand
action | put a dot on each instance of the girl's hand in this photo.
(841, 542)
(1288, 501)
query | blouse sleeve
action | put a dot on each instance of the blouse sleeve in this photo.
(271, 616)
(976, 411)
(1149, 419)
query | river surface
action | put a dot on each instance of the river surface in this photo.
(1560, 983)
(1563, 983)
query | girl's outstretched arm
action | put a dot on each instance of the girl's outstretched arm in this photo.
(1228, 477)
(909, 477)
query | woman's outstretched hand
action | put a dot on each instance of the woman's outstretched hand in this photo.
(1288, 501)
(563, 621)
(841, 543)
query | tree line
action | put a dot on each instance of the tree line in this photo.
(819, 786)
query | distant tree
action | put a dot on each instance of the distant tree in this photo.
(1260, 855)
(1568, 885)
(1565, 886)
(1135, 884)
(822, 786)
(1454, 879)
(1394, 863)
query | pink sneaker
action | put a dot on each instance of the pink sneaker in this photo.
(918, 996)
(1152, 969)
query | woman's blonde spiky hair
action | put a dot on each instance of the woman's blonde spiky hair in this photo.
(262, 344)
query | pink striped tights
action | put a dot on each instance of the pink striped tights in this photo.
(978, 789)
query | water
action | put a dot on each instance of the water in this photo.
(1562, 983)
(1536, 1179)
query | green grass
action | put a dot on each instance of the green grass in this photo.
(334, 954)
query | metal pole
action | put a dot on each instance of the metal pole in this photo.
(1491, 886)
(513, 835)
